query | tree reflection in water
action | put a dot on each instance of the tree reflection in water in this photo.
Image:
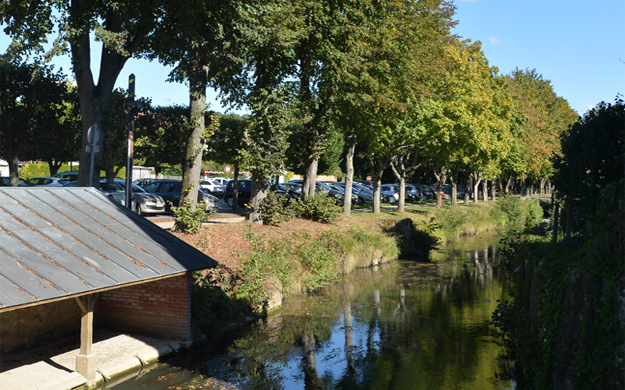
(408, 325)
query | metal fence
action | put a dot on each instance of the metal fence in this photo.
(536, 192)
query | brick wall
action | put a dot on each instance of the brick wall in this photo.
(31, 326)
(161, 308)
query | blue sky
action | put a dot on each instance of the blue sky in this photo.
(578, 45)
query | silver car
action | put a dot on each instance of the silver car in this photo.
(144, 202)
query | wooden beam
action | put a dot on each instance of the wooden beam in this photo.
(85, 361)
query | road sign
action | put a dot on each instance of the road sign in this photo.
(368, 178)
(205, 173)
(227, 169)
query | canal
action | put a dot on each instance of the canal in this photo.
(405, 325)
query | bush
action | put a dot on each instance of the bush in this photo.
(212, 310)
(319, 208)
(453, 220)
(511, 206)
(187, 220)
(274, 210)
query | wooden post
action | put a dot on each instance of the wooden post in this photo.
(131, 139)
(85, 360)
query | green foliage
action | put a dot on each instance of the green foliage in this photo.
(186, 219)
(34, 170)
(318, 208)
(564, 318)
(274, 210)
(593, 156)
(213, 311)
(453, 220)
(511, 207)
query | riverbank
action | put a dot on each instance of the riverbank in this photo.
(260, 265)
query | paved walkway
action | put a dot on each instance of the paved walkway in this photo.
(51, 367)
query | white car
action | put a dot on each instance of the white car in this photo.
(212, 187)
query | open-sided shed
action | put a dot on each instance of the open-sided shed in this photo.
(69, 254)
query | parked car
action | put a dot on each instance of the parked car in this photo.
(169, 190)
(389, 193)
(6, 182)
(245, 192)
(413, 194)
(46, 181)
(68, 175)
(112, 191)
(213, 187)
(445, 190)
(362, 197)
(211, 203)
(221, 180)
(427, 191)
(321, 187)
(144, 202)
(143, 181)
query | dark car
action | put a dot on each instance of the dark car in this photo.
(6, 182)
(330, 190)
(169, 190)
(245, 192)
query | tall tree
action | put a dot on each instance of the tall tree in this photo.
(59, 140)
(548, 116)
(201, 41)
(267, 96)
(592, 157)
(399, 55)
(32, 99)
(121, 26)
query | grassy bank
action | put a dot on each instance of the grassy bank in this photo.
(261, 265)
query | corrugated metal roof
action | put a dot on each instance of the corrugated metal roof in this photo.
(57, 242)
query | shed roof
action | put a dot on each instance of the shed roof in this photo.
(61, 242)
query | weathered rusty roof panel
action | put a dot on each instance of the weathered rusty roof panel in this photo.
(57, 242)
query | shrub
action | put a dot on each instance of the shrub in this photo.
(187, 220)
(212, 310)
(511, 206)
(453, 220)
(319, 208)
(274, 210)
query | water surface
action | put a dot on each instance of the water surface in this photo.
(406, 325)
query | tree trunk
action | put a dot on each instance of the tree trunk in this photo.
(377, 182)
(235, 187)
(440, 180)
(454, 190)
(193, 160)
(476, 185)
(467, 190)
(13, 161)
(349, 173)
(508, 183)
(485, 190)
(310, 178)
(401, 205)
(556, 216)
(54, 166)
(493, 189)
(259, 192)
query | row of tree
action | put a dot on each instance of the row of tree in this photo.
(385, 78)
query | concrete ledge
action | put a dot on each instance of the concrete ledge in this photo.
(116, 354)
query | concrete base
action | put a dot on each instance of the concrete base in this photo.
(85, 365)
(51, 367)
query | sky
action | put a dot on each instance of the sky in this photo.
(578, 45)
